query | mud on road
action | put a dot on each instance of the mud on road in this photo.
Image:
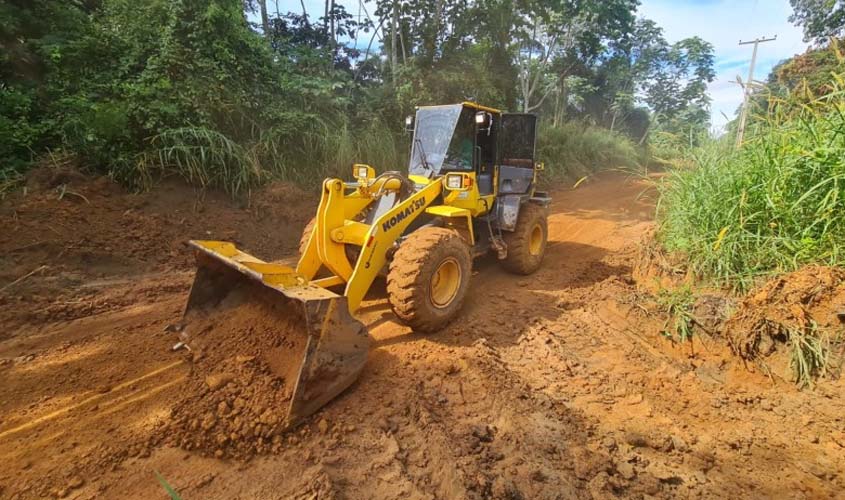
(557, 385)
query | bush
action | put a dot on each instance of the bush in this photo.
(575, 149)
(316, 150)
(777, 203)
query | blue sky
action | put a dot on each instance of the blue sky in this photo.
(721, 22)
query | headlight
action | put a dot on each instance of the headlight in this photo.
(480, 118)
(454, 181)
(362, 171)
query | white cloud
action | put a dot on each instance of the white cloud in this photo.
(723, 23)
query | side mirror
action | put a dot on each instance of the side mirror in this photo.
(409, 124)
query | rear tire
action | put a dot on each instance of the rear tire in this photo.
(527, 243)
(429, 278)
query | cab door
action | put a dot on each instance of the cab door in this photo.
(517, 149)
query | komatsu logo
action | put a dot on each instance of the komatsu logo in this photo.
(404, 214)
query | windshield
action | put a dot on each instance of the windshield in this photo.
(433, 132)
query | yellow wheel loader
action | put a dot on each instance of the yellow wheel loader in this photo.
(470, 189)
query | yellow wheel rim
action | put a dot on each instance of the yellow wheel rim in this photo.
(535, 242)
(445, 283)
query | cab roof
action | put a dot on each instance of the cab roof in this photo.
(466, 104)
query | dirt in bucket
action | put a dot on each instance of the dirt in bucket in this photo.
(246, 354)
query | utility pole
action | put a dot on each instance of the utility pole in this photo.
(743, 116)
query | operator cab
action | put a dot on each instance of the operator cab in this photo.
(468, 137)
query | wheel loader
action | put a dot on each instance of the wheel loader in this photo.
(470, 189)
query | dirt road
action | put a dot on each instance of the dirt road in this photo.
(557, 385)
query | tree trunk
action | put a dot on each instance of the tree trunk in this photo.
(304, 13)
(564, 90)
(402, 44)
(331, 21)
(394, 33)
(265, 20)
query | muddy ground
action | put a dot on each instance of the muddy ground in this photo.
(557, 385)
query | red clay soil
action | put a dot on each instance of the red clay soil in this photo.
(78, 235)
(244, 356)
(806, 301)
(556, 385)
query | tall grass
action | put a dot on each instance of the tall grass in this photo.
(575, 149)
(207, 158)
(9, 180)
(305, 155)
(773, 205)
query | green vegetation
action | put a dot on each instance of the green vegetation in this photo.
(735, 215)
(810, 354)
(171, 492)
(574, 149)
(678, 304)
(771, 206)
(820, 19)
(226, 93)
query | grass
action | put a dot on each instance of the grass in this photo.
(9, 180)
(810, 354)
(171, 492)
(322, 148)
(206, 158)
(306, 155)
(770, 207)
(574, 149)
(678, 305)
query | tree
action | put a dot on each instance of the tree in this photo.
(633, 63)
(556, 37)
(821, 19)
(677, 92)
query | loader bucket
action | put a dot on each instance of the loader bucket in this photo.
(333, 344)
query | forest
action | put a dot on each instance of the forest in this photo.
(229, 94)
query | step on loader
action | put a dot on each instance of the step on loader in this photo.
(470, 189)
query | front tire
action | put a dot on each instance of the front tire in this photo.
(429, 278)
(527, 243)
(306, 235)
(352, 251)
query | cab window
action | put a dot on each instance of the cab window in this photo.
(460, 155)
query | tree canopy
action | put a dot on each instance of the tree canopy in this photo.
(125, 83)
(821, 19)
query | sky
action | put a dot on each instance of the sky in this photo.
(723, 23)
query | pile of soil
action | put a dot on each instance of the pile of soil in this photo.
(72, 236)
(654, 268)
(245, 355)
(804, 300)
